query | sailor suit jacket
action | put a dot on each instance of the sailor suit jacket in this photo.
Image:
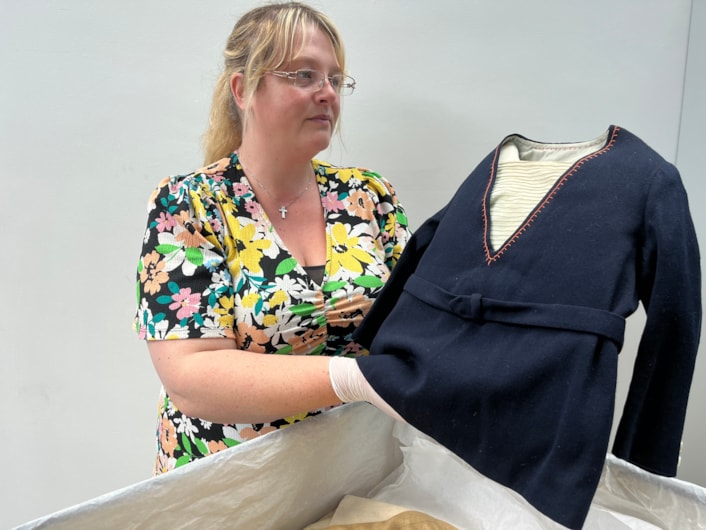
(508, 356)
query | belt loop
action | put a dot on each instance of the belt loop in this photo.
(477, 307)
(469, 307)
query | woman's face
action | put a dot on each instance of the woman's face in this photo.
(295, 119)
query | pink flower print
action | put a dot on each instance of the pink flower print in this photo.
(217, 177)
(165, 221)
(186, 303)
(215, 224)
(240, 189)
(331, 202)
(252, 207)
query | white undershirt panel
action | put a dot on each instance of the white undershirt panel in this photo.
(518, 188)
(526, 172)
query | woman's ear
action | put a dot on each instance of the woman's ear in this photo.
(237, 88)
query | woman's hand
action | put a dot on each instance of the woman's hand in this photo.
(350, 385)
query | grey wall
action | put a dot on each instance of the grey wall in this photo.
(690, 162)
(99, 101)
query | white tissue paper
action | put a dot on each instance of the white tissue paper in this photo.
(294, 477)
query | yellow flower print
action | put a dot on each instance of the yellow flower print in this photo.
(229, 209)
(249, 300)
(152, 275)
(375, 184)
(293, 419)
(252, 253)
(396, 253)
(343, 174)
(225, 311)
(346, 252)
(270, 320)
(278, 298)
(390, 223)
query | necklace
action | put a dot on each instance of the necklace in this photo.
(283, 208)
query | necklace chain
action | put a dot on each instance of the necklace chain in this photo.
(283, 208)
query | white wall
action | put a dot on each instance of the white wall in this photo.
(690, 163)
(99, 101)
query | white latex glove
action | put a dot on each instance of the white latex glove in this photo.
(350, 385)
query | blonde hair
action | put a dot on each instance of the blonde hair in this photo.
(263, 39)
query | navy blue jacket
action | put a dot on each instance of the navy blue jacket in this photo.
(508, 357)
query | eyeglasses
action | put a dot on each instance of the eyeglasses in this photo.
(313, 79)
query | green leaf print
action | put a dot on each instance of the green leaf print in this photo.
(194, 255)
(305, 309)
(332, 286)
(166, 249)
(173, 287)
(140, 268)
(187, 444)
(285, 266)
(402, 218)
(230, 442)
(184, 459)
(202, 447)
(368, 281)
(164, 299)
(285, 351)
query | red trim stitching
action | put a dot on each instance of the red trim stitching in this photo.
(489, 259)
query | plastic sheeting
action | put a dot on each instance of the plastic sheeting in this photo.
(292, 478)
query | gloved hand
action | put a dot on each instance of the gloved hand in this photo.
(350, 385)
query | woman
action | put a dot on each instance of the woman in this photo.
(265, 250)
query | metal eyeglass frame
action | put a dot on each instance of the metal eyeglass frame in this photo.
(345, 88)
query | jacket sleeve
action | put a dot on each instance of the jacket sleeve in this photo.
(390, 293)
(669, 285)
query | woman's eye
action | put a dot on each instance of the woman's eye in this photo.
(305, 75)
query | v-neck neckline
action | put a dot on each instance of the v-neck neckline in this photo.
(261, 217)
(604, 142)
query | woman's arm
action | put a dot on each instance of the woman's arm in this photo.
(210, 379)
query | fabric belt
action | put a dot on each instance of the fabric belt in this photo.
(479, 309)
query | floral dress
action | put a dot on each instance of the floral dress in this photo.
(212, 265)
